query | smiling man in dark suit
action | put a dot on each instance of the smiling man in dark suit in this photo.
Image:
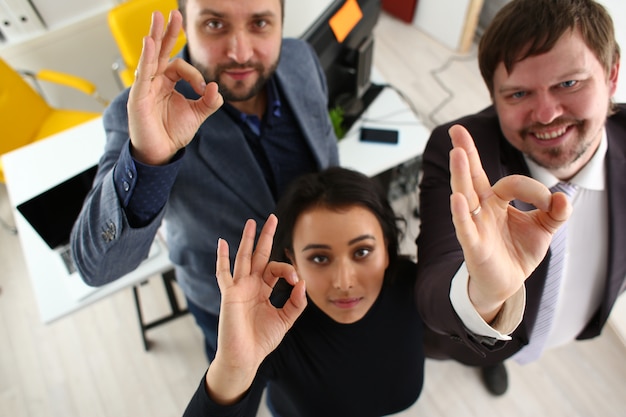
(551, 67)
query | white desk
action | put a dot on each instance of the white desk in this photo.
(34, 169)
(387, 111)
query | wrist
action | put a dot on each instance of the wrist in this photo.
(227, 385)
(150, 158)
(487, 306)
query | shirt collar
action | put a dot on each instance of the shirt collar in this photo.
(591, 177)
(273, 98)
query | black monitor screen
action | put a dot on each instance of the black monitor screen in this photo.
(347, 64)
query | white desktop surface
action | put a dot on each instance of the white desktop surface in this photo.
(38, 167)
(387, 111)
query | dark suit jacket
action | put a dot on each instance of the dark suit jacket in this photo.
(219, 186)
(440, 255)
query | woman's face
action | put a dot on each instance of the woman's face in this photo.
(342, 256)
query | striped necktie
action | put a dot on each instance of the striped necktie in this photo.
(550, 295)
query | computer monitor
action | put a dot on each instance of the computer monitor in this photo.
(347, 63)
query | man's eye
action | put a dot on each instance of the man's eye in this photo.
(569, 83)
(213, 24)
(260, 24)
(518, 94)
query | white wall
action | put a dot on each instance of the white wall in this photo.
(443, 21)
(300, 14)
(617, 8)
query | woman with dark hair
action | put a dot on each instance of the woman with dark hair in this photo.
(347, 339)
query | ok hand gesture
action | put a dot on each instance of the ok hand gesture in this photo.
(250, 327)
(161, 120)
(502, 246)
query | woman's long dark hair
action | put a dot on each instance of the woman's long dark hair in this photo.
(334, 189)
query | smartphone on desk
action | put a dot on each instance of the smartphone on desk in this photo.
(379, 135)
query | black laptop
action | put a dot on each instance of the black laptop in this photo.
(52, 214)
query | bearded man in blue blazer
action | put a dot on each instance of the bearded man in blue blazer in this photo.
(204, 176)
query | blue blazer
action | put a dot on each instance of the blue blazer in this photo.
(440, 254)
(219, 186)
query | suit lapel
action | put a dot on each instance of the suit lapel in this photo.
(223, 147)
(305, 107)
(616, 183)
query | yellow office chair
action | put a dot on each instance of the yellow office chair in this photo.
(129, 22)
(26, 117)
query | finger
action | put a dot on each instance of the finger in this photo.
(211, 100)
(244, 253)
(523, 188)
(170, 37)
(559, 211)
(465, 228)
(461, 177)
(141, 85)
(222, 265)
(275, 270)
(462, 139)
(295, 304)
(263, 250)
(157, 25)
(179, 69)
(148, 60)
(561, 207)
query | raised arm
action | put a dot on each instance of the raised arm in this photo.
(250, 327)
(161, 120)
(501, 245)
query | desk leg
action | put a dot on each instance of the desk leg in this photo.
(146, 345)
(176, 311)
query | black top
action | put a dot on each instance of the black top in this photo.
(373, 367)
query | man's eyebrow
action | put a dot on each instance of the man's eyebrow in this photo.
(577, 74)
(212, 12)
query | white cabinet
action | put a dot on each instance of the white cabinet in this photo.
(18, 21)
(57, 13)
(22, 20)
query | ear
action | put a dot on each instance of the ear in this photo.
(613, 77)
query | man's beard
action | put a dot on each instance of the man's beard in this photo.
(563, 157)
(557, 160)
(234, 95)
